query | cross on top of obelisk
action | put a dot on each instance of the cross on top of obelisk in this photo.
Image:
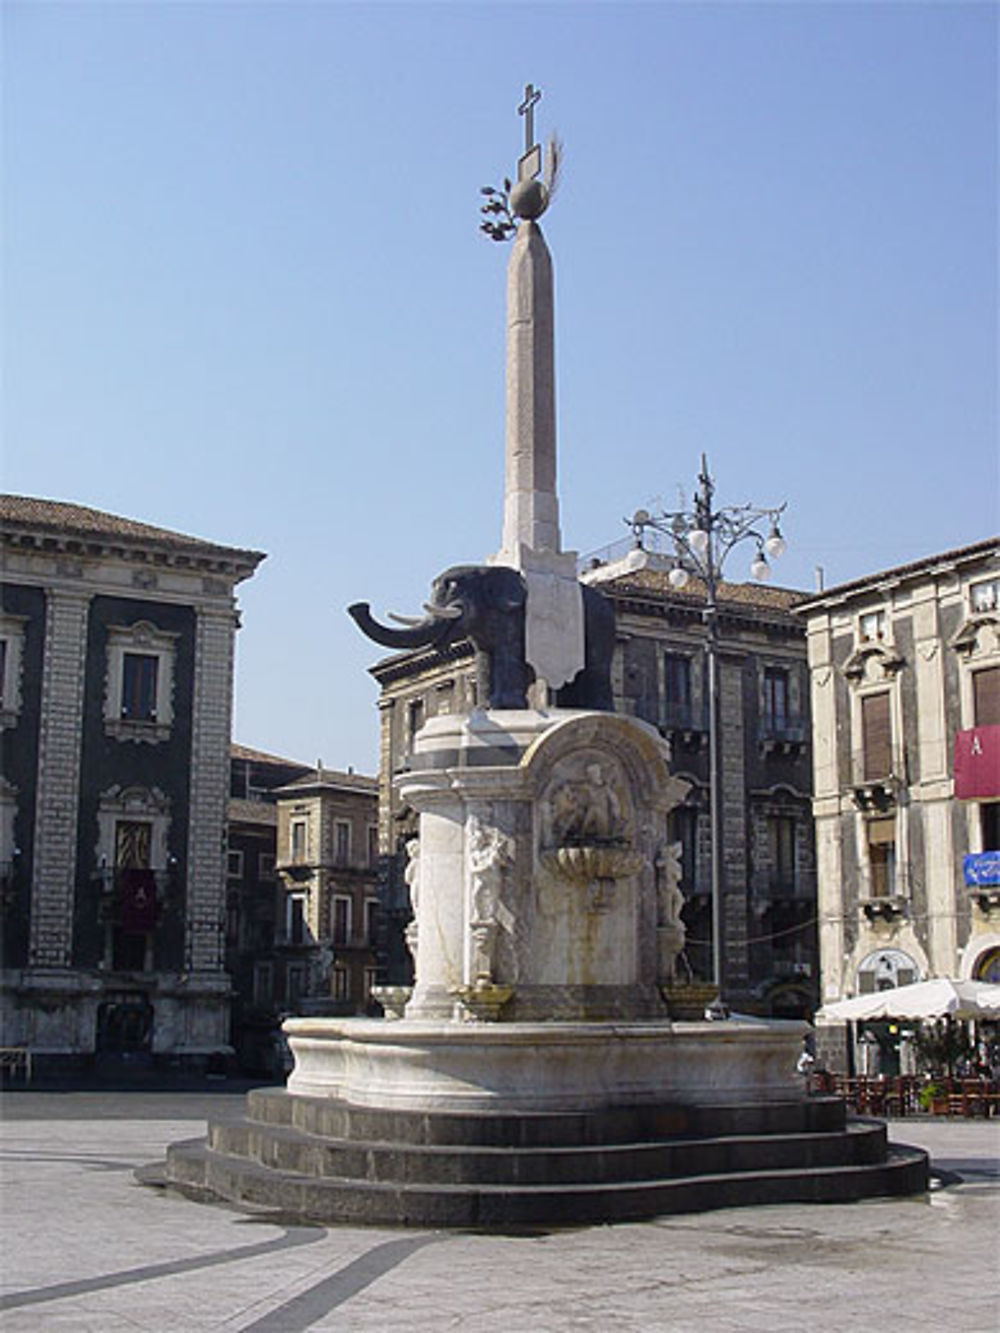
(530, 164)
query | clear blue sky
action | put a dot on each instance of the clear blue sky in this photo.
(245, 295)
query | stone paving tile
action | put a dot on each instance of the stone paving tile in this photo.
(85, 1247)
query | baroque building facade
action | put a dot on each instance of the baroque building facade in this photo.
(905, 672)
(116, 670)
(769, 954)
(328, 861)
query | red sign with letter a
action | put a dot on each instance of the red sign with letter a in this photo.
(977, 763)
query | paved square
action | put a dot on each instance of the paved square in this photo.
(87, 1248)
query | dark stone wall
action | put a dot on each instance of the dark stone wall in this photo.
(20, 767)
(107, 762)
(758, 933)
(640, 677)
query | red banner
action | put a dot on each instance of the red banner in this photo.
(977, 763)
(138, 901)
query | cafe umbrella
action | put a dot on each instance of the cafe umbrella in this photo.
(922, 1001)
(941, 997)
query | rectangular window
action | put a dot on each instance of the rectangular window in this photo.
(234, 865)
(133, 844)
(263, 983)
(341, 843)
(265, 865)
(881, 835)
(295, 918)
(298, 840)
(371, 920)
(989, 823)
(776, 696)
(373, 846)
(295, 983)
(781, 849)
(139, 672)
(233, 921)
(986, 696)
(876, 736)
(3, 671)
(340, 983)
(677, 679)
(414, 719)
(871, 627)
(340, 919)
(370, 980)
(985, 596)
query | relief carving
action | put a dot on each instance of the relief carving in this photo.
(587, 832)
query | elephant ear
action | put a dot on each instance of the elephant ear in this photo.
(510, 591)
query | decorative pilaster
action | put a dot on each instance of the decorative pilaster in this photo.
(210, 733)
(732, 765)
(57, 802)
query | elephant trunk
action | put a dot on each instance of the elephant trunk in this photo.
(420, 635)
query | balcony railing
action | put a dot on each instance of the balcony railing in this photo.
(881, 765)
(782, 729)
(685, 716)
(782, 886)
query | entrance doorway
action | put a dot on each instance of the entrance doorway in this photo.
(125, 1023)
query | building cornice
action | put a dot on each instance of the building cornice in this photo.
(932, 566)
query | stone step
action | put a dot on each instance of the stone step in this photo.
(194, 1168)
(329, 1118)
(285, 1148)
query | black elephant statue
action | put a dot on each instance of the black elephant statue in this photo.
(487, 604)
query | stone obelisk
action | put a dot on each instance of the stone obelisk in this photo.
(531, 505)
(531, 538)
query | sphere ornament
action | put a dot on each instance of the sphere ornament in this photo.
(529, 199)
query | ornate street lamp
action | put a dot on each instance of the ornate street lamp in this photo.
(702, 539)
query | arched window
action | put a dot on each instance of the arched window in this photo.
(987, 966)
(886, 969)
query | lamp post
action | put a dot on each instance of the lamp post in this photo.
(702, 539)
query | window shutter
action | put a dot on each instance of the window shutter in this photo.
(876, 736)
(881, 831)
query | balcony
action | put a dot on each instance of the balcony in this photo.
(786, 969)
(772, 886)
(782, 733)
(885, 910)
(877, 778)
(689, 720)
(354, 943)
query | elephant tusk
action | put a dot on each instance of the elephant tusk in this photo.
(404, 620)
(443, 612)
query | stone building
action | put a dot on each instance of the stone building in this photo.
(328, 857)
(255, 904)
(905, 668)
(116, 666)
(659, 674)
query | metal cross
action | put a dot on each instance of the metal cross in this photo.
(527, 110)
